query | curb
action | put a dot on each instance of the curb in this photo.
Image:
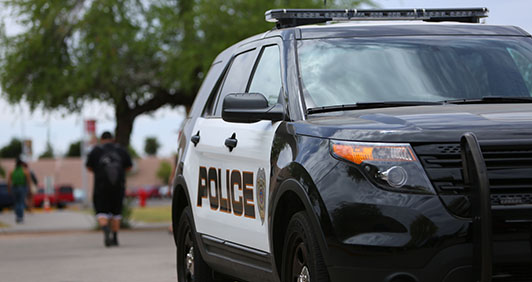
(135, 226)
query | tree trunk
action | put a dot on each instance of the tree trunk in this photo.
(124, 126)
(125, 116)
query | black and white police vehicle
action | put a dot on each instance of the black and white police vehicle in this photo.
(327, 150)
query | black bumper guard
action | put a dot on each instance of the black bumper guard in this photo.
(476, 177)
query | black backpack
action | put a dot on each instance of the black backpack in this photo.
(111, 165)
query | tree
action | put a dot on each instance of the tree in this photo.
(164, 172)
(11, 150)
(132, 152)
(2, 171)
(135, 55)
(74, 150)
(48, 153)
(151, 146)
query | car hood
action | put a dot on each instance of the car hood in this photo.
(440, 123)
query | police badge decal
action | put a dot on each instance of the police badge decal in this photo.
(260, 191)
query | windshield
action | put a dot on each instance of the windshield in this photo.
(429, 68)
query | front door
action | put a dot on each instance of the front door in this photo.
(230, 180)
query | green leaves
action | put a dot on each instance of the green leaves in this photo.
(135, 55)
(11, 150)
(164, 172)
(74, 150)
(151, 146)
(48, 153)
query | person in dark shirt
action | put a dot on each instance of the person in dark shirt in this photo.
(109, 163)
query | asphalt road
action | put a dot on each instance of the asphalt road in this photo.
(81, 257)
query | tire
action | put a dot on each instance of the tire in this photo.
(187, 247)
(302, 258)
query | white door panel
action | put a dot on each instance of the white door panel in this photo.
(227, 209)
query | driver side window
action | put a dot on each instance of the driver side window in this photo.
(267, 77)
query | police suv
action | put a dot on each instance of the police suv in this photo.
(327, 150)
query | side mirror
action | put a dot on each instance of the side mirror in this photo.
(250, 107)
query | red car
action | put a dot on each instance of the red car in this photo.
(62, 195)
(150, 191)
(38, 198)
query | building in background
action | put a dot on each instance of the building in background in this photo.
(66, 171)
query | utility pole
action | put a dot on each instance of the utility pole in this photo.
(83, 153)
(88, 133)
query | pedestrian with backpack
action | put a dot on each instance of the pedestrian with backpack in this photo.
(18, 182)
(109, 163)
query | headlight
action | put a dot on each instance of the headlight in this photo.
(390, 166)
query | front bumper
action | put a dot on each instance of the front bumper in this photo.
(451, 264)
(386, 236)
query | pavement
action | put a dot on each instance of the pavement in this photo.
(40, 221)
(143, 256)
(64, 246)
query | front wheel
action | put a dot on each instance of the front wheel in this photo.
(302, 259)
(190, 264)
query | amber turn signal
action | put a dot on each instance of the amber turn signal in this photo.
(361, 152)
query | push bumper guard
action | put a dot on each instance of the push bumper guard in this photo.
(476, 177)
(499, 230)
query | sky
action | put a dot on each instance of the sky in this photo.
(63, 128)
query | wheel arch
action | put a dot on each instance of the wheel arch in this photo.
(295, 193)
(180, 200)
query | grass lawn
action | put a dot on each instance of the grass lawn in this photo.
(152, 214)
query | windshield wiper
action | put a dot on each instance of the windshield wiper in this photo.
(369, 105)
(491, 100)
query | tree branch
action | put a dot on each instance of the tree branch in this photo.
(161, 98)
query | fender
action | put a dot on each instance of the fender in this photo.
(302, 185)
(179, 184)
(177, 208)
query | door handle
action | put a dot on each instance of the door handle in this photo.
(195, 139)
(231, 142)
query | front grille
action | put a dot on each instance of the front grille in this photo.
(509, 170)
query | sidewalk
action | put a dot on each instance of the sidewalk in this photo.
(58, 221)
(53, 221)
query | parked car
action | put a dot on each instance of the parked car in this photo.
(38, 198)
(165, 192)
(64, 194)
(132, 192)
(79, 195)
(6, 199)
(153, 191)
(375, 152)
(150, 191)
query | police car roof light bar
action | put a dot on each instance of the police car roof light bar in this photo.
(295, 17)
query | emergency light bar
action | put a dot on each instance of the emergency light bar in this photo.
(294, 17)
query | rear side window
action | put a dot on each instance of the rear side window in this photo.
(237, 77)
(65, 189)
(267, 77)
